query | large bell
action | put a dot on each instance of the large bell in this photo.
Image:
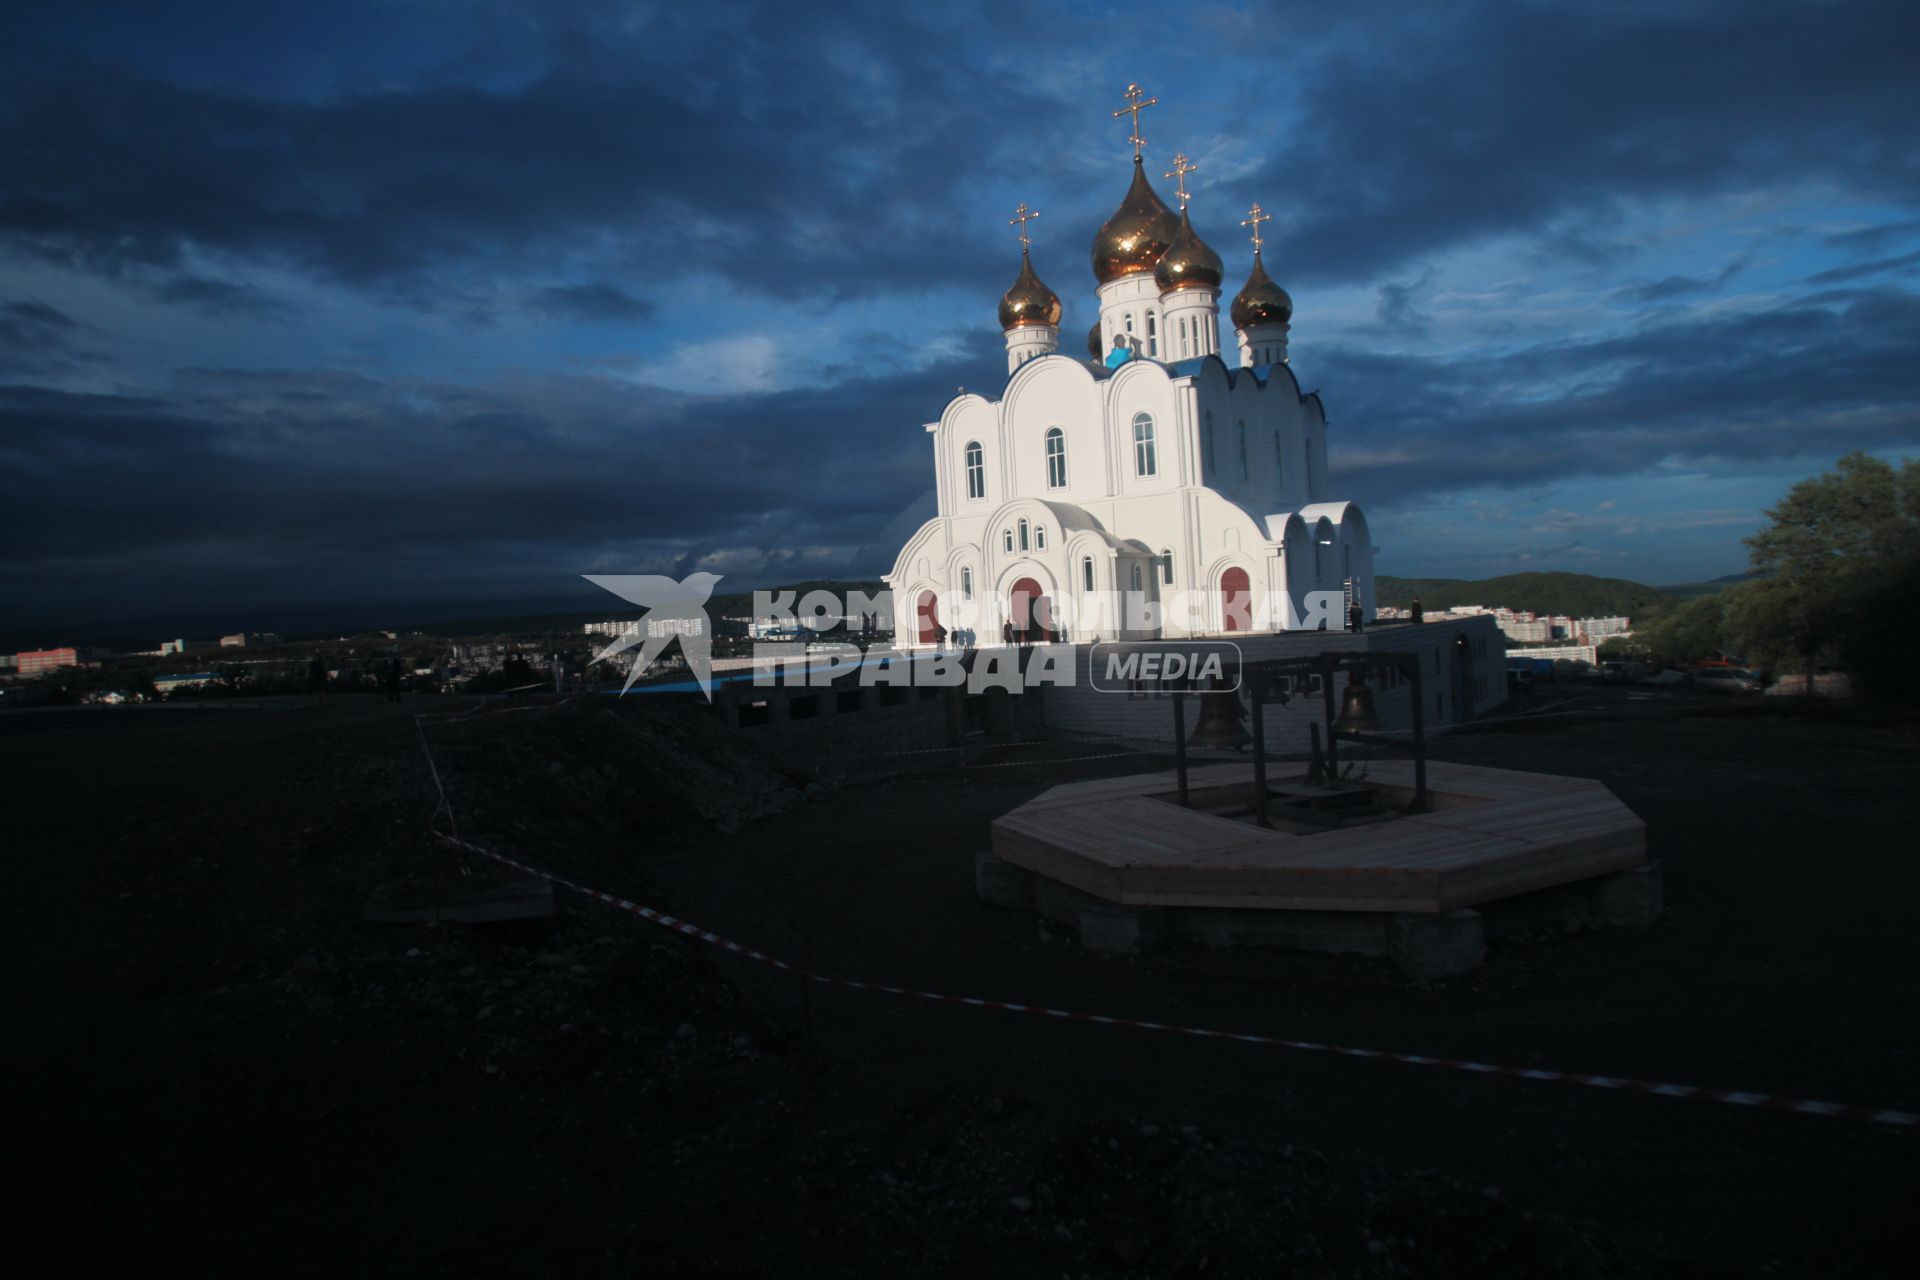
(1357, 712)
(1219, 725)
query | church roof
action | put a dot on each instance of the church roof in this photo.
(1188, 263)
(1260, 301)
(1132, 240)
(1028, 302)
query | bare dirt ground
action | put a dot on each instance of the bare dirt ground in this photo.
(227, 1072)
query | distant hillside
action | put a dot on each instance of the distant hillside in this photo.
(1577, 595)
(1694, 590)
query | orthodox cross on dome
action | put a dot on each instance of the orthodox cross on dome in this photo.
(1181, 168)
(1256, 216)
(1023, 216)
(1135, 105)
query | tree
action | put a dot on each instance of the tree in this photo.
(1689, 632)
(1837, 544)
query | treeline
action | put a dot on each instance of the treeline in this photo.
(1840, 586)
(1577, 595)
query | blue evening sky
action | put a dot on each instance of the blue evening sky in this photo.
(387, 303)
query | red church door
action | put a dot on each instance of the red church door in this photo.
(928, 611)
(1236, 601)
(1029, 611)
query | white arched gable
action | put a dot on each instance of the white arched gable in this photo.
(1142, 386)
(927, 543)
(1054, 392)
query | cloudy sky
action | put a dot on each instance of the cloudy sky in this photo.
(304, 305)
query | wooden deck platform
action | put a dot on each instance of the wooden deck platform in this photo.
(1492, 833)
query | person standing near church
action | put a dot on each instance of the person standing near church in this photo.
(1356, 616)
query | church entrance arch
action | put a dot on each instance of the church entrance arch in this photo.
(927, 611)
(1236, 601)
(1029, 612)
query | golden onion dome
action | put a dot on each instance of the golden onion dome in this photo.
(1260, 301)
(1188, 263)
(1093, 341)
(1029, 302)
(1139, 231)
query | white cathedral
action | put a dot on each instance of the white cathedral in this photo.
(1152, 471)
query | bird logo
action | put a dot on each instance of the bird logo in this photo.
(678, 610)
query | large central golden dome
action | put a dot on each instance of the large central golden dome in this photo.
(1136, 235)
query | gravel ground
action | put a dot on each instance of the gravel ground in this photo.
(229, 1071)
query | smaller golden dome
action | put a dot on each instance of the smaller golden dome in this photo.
(1188, 263)
(1093, 341)
(1132, 240)
(1029, 302)
(1260, 301)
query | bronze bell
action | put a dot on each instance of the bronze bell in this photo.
(1357, 712)
(1219, 721)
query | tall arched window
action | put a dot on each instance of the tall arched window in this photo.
(1153, 333)
(1022, 526)
(1039, 537)
(1206, 445)
(1145, 462)
(1166, 566)
(1240, 446)
(976, 470)
(1186, 348)
(1056, 458)
(1133, 575)
(1006, 539)
(966, 582)
(1086, 572)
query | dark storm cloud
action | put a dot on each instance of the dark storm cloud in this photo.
(768, 147)
(1520, 118)
(1861, 270)
(317, 487)
(38, 340)
(1811, 379)
(220, 297)
(1672, 287)
(593, 302)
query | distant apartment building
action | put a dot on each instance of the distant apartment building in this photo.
(1604, 628)
(244, 639)
(612, 629)
(1525, 629)
(1571, 652)
(35, 662)
(9, 662)
(675, 627)
(193, 680)
(186, 646)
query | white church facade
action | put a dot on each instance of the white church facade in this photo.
(1153, 472)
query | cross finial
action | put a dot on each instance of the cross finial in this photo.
(1135, 105)
(1256, 216)
(1181, 168)
(1022, 216)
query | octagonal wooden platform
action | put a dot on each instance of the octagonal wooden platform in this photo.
(1492, 833)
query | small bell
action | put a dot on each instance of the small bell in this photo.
(1219, 725)
(1357, 713)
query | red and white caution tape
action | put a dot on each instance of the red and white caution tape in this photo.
(1732, 1097)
